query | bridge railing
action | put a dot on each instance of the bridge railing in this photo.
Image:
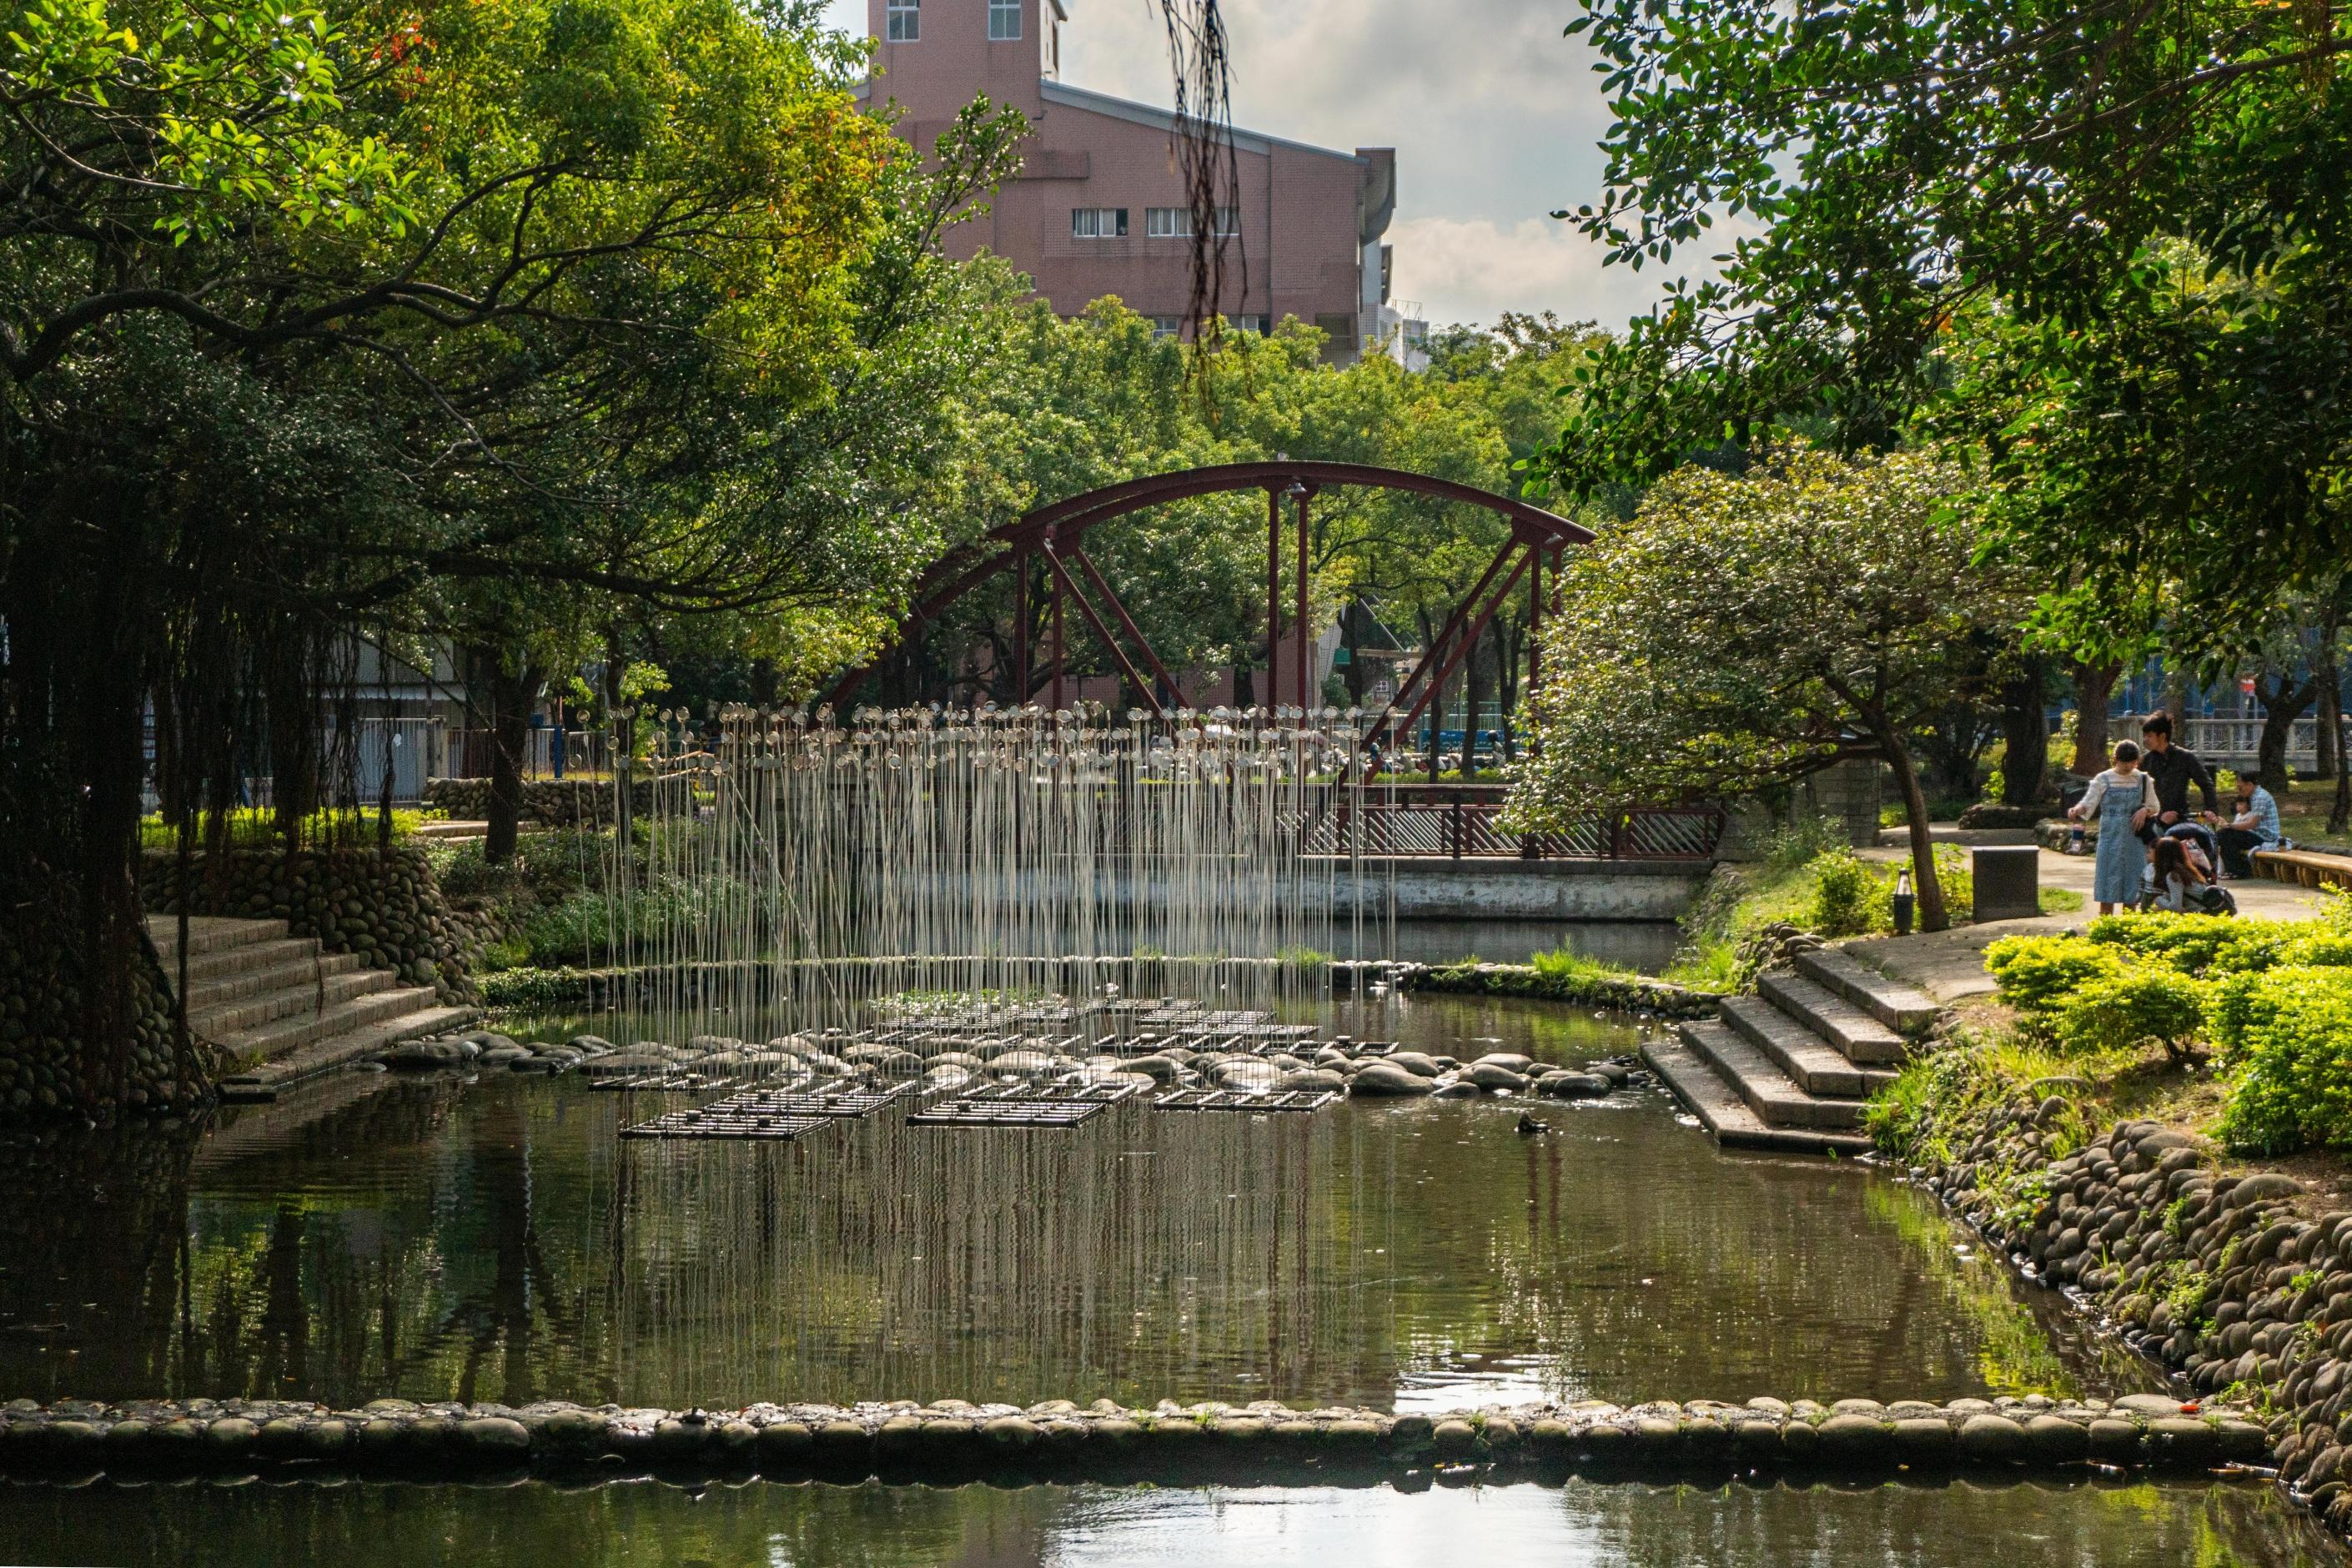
(1465, 823)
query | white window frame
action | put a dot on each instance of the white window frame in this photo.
(903, 21)
(1166, 223)
(1167, 326)
(1003, 21)
(1098, 223)
(1229, 221)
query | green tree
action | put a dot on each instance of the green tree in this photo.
(1745, 630)
(2142, 209)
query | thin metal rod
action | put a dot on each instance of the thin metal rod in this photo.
(1020, 627)
(1298, 628)
(1273, 592)
(1061, 647)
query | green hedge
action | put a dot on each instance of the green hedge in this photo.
(2274, 997)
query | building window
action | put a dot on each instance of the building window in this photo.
(1340, 331)
(1167, 326)
(906, 21)
(1250, 324)
(1098, 223)
(1176, 223)
(1003, 21)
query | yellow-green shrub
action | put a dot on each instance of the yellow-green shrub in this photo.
(2125, 1010)
(2037, 973)
(2289, 1033)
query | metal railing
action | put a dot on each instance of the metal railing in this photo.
(2235, 742)
(1464, 823)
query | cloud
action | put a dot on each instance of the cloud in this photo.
(1473, 270)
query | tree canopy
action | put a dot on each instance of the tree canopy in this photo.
(1743, 630)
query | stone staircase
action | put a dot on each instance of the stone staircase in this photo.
(1789, 1068)
(282, 1009)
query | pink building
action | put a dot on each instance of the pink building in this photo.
(1099, 207)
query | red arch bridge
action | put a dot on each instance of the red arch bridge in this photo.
(1456, 821)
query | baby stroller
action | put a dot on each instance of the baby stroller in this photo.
(2211, 898)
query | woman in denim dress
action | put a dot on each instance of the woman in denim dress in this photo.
(2123, 797)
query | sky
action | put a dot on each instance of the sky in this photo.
(1495, 117)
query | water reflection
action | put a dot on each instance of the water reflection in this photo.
(497, 1240)
(2139, 1526)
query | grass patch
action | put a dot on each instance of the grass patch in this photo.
(256, 827)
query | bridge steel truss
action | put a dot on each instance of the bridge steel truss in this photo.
(1056, 532)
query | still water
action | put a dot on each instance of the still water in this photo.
(497, 1240)
(873, 1526)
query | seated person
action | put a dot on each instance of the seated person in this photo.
(2254, 826)
(2202, 848)
(2180, 883)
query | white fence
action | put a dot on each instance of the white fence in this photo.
(2233, 743)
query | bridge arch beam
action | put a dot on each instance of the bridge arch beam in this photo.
(1057, 530)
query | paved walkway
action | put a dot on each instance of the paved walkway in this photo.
(1949, 965)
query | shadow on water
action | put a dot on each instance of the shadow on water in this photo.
(1738, 1526)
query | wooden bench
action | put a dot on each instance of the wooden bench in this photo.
(2306, 868)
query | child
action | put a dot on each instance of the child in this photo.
(2123, 798)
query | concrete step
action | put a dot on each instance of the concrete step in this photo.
(301, 965)
(264, 1079)
(210, 934)
(1906, 1009)
(1772, 1094)
(250, 1013)
(1723, 1113)
(224, 963)
(1860, 1037)
(1815, 1066)
(273, 1040)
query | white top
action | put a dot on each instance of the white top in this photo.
(2111, 779)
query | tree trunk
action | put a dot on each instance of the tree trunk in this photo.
(510, 700)
(2095, 688)
(1932, 916)
(2281, 705)
(2026, 733)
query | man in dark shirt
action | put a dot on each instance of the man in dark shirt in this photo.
(2174, 770)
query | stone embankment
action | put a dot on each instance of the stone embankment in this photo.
(1265, 1441)
(2216, 1275)
(549, 802)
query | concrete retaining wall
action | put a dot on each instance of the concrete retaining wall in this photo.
(1267, 1442)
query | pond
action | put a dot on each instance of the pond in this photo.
(381, 1235)
(494, 1238)
(874, 1526)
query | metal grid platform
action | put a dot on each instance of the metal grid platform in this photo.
(1019, 1105)
(716, 1121)
(1242, 1099)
